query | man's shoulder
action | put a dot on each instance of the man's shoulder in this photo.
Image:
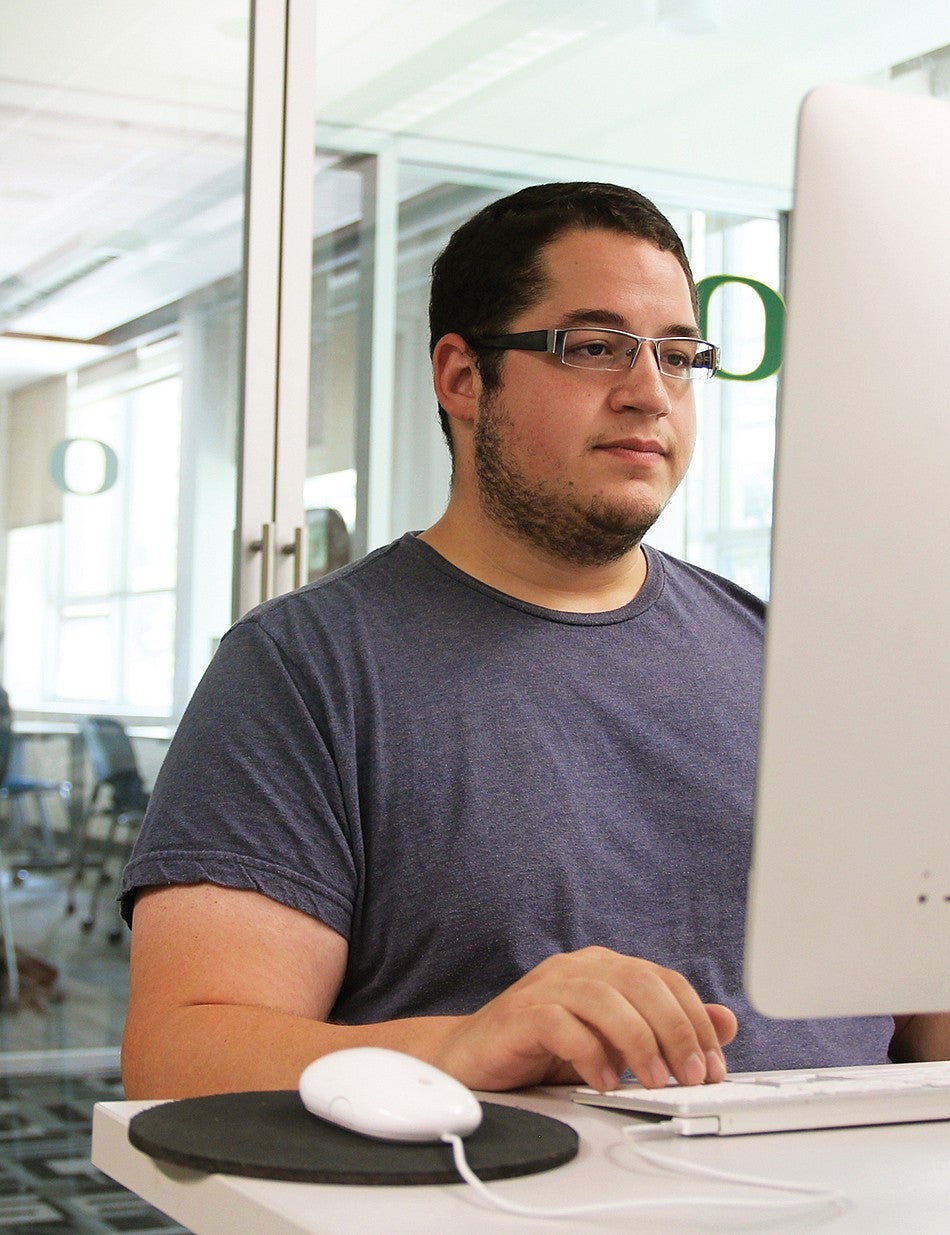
(376, 574)
(377, 569)
(685, 581)
(378, 601)
(340, 604)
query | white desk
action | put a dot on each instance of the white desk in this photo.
(897, 1180)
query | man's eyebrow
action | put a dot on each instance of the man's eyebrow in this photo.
(614, 321)
(595, 317)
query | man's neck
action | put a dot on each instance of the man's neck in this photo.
(521, 569)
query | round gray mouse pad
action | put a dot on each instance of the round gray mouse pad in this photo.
(271, 1135)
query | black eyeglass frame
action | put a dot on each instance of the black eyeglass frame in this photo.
(552, 341)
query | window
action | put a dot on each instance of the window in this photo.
(726, 513)
(93, 626)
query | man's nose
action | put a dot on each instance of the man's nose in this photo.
(642, 387)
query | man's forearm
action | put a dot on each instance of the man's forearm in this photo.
(223, 1048)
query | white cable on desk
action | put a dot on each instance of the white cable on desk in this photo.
(810, 1198)
(680, 1166)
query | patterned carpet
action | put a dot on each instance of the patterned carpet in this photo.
(48, 1186)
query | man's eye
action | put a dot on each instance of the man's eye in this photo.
(587, 350)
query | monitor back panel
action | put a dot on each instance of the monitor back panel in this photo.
(849, 909)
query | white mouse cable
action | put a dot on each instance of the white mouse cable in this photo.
(805, 1197)
(636, 1132)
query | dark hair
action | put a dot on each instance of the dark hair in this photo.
(492, 269)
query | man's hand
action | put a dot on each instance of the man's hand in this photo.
(921, 1037)
(587, 1016)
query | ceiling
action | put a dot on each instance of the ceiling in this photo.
(122, 121)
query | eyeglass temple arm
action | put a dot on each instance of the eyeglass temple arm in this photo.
(526, 341)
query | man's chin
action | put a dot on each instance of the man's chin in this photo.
(592, 542)
(623, 521)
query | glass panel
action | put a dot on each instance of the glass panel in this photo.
(481, 92)
(727, 508)
(430, 209)
(335, 375)
(122, 138)
(666, 95)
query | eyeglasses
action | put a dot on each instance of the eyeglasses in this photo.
(683, 357)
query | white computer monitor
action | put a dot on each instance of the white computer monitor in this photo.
(849, 905)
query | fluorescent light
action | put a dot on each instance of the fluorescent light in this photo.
(485, 71)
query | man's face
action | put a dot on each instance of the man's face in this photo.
(582, 462)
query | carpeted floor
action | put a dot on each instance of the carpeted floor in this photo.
(58, 1057)
(48, 1186)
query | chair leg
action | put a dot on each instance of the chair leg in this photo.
(48, 840)
(120, 838)
(79, 866)
(89, 921)
(19, 821)
(9, 949)
(80, 840)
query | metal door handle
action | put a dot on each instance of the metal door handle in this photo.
(296, 549)
(265, 547)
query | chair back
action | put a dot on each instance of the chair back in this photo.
(112, 756)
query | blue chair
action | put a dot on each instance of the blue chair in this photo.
(27, 798)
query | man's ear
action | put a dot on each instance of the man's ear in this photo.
(458, 384)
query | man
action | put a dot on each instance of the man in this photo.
(486, 796)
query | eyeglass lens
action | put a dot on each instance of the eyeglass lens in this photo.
(609, 349)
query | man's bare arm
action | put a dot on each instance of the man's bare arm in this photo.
(921, 1037)
(231, 990)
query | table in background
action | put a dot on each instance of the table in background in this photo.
(897, 1180)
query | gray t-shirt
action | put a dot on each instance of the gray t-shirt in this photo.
(462, 784)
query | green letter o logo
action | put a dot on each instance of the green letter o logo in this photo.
(774, 308)
(108, 466)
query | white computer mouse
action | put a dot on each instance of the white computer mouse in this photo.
(388, 1095)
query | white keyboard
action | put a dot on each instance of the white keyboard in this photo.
(784, 1101)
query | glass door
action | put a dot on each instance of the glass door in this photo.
(123, 129)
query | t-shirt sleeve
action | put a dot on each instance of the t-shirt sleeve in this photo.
(249, 794)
